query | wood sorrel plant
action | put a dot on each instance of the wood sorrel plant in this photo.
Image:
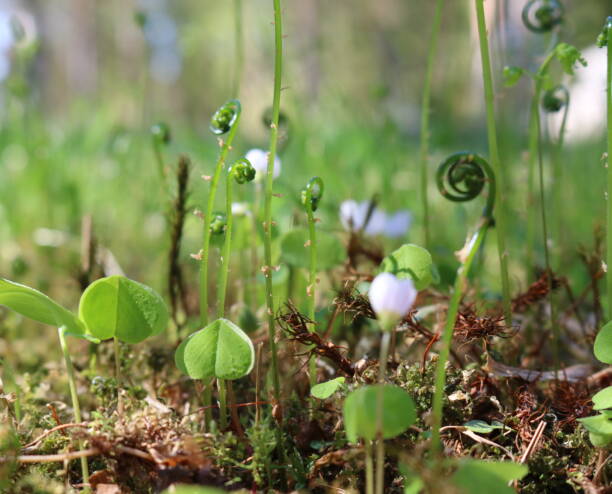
(494, 154)
(225, 120)
(311, 196)
(113, 307)
(461, 177)
(425, 113)
(391, 298)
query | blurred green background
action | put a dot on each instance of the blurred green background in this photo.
(85, 81)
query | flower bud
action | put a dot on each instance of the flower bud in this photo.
(391, 298)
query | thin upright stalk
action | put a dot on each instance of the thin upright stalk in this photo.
(227, 246)
(238, 47)
(369, 461)
(278, 67)
(495, 160)
(225, 147)
(447, 336)
(222, 391)
(380, 442)
(609, 208)
(425, 113)
(118, 376)
(312, 285)
(73, 396)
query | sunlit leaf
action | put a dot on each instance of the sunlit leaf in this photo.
(326, 389)
(411, 261)
(479, 476)
(603, 399)
(603, 344)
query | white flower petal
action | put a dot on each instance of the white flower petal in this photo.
(390, 297)
(398, 224)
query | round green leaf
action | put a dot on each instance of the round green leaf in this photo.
(37, 306)
(603, 344)
(295, 249)
(603, 399)
(360, 407)
(411, 261)
(220, 350)
(478, 476)
(119, 307)
(326, 389)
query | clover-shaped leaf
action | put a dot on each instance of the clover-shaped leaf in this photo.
(478, 476)
(360, 412)
(411, 261)
(220, 350)
(117, 307)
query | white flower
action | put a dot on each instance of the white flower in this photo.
(240, 208)
(391, 298)
(397, 224)
(353, 216)
(259, 159)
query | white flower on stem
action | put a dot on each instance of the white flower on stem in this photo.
(353, 216)
(391, 298)
(240, 209)
(259, 159)
(398, 224)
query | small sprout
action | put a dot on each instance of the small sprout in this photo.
(541, 16)
(117, 307)
(602, 38)
(225, 117)
(322, 391)
(218, 223)
(568, 57)
(161, 133)
(360, 411)
(259, 159)
(242, 171)
(554, 99)
(512, 75)
(391, 298)
(482, 427)
(220, 350)
(312, 193)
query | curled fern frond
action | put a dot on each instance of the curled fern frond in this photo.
(312, 193)
(541, 16)
(463, 176)
(242, 171)
(555, 99)
(225, 117)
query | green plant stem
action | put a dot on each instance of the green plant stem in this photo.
(369, 475)
(278, 64)
(159, 159)
(222, 288)
(425, 113)
(118, 376)
(238, 47)
(609, 161)
(222, 390)
(227, 248)
(73, 395)
(225, 147)
(558, 189)
(312, 285)
(495, 161)
(531, 201)
(207, 402)
(380, 442)
(447, 336)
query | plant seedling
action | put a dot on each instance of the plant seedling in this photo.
(124, 310)
(220, 350)
(37, 306)
(365, 418)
